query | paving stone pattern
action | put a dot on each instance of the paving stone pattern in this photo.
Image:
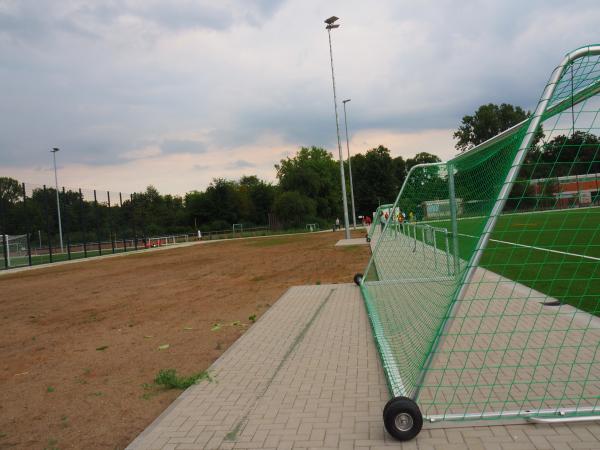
(307, 376)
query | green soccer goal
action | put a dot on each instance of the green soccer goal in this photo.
(486, 304)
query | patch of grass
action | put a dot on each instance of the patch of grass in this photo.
(51, 444)
(97, 394)
(318, 282)
(257, 278)
(168, 379)
(50, 389)
(252, 318)
(3, 435)
(101, 349)
(216, 327)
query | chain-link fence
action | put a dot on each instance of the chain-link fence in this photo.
(39, 224)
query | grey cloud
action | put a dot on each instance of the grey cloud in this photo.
(424, 66)
(182, 146)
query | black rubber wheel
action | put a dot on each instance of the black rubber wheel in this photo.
(368, 239)
(358, 278)
(402, 418)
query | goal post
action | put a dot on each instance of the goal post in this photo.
(237, 227)
(16, 250)
(487, 305)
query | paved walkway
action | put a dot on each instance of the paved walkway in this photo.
(307, 375)
(351, 241)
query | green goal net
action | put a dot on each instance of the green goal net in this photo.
(485, 305)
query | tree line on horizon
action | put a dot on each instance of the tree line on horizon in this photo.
(307, 189)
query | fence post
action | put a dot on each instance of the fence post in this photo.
(66, 223)
(97, 224)
(453, 215)
(82, 224)
(110, 227)
(46, 210)
(121, 217)
(28, 224)
(3, 232)
(5, 249)
(133, 220)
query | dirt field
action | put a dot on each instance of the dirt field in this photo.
(79, 341)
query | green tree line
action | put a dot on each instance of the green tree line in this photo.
(307, 188)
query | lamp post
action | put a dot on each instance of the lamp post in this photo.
(53, 151)
(349, 164)
(330, 26)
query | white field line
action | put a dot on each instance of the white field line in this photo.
(593, 258)
(546, 211)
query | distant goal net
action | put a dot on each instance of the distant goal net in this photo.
(15, 250)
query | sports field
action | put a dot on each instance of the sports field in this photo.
(560, 261)
(82, 343)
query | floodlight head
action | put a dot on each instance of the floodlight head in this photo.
(331, 27)
(331, 20)
(347, 100)
(55, 149)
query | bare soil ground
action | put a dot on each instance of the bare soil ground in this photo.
(79, 341)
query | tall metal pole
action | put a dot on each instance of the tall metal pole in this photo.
(349, 164)
(337, 127)
(53, 151)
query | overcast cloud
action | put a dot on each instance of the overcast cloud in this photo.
(139, 92)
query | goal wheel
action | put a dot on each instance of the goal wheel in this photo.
(402, 418)
(358, 278)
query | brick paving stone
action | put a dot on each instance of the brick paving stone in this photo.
(308, 375)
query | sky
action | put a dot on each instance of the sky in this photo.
(175, 93)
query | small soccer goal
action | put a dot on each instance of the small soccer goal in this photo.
(486, 305)
(312, 227)
(238, 228)
(15, 250)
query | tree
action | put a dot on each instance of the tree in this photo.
(313, 173)
(421, 158)
(259, 196)
(488, 121)
(576, 154)
(294, 208)
(10, 190)
(374, 179)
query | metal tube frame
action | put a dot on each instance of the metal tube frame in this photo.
(509, 181)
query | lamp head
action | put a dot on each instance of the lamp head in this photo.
(331, 20)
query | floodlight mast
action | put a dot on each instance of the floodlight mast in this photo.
(349, 164)
(329, 27)
(53, 151)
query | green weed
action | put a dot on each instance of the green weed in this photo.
(168, 379)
